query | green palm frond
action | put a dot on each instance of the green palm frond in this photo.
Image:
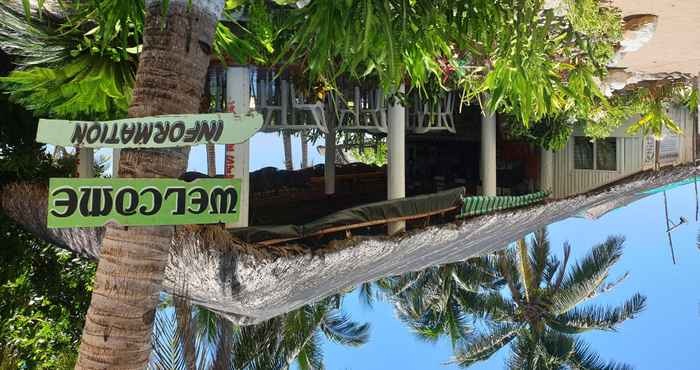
(588, 275)
(477, 274)
(489, 306)
(310, 356)
(87, 87)
(415, 314)
(690, 100)
(508, 268)
(366, 294)
(483, 346)
(653, 105)
(30, 39)
(339, 328)
(168, 352)
(552, 349)
(389, 40)
(238, 49)
(429, 318)
(562, 268)
(118, 22)
(522, 355)
(540, 258)
(580, 320)
(68, 68)
(525, 270)
(582, 357)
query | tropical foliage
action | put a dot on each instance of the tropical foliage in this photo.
(539, 65)
(89, 70)
(373, 155)
(543, 313)
(45, 291)
(190, 337)
(524, 296)
(80, 62)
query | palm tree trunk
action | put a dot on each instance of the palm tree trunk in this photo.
(304, 151)
(204, 107)
(129, 278)
(288, 161)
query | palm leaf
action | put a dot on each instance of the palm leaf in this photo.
(525, 269)
(582, 357)
(366, 294)
(489, 306)
(580, 320)
(30, 39)
(483, 346)
(168, 352)
(339, 328)
(539, 256)
(585, 277)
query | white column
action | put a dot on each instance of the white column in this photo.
(396, 166)
(329, 165)
(116, 155)
(237, 157)
(86, 162)
(546, 170)
(488, 151)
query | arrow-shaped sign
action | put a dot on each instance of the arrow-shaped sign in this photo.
(157, 131)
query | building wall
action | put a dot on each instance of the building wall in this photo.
(569, 181)
(685, 120)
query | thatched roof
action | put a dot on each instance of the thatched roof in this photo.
(251, 283)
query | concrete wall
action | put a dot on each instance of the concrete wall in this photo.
(568, 181)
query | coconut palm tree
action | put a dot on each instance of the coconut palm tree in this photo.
(192, 338)
(81, 64)
(541, 312)
(437, 301)
(127, 285)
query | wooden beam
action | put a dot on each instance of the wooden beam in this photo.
(359, 225)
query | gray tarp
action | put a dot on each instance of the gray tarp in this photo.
(385, 210)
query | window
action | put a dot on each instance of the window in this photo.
(606, 154)
(600, 155)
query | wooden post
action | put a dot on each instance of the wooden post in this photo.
(211, 160)
(396, 167)
(237, 157)
(86, 162)
(488, 150)
(116, 154)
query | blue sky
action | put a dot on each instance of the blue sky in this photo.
(662, 337)
(266, 151)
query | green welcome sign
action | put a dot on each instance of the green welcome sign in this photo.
(94, 202)
(157, 131)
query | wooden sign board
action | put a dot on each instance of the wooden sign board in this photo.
(151, 132)
(94, 202)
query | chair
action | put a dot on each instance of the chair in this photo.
(435, 117)
(366, 113)
(268, 99)
(316, 110)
